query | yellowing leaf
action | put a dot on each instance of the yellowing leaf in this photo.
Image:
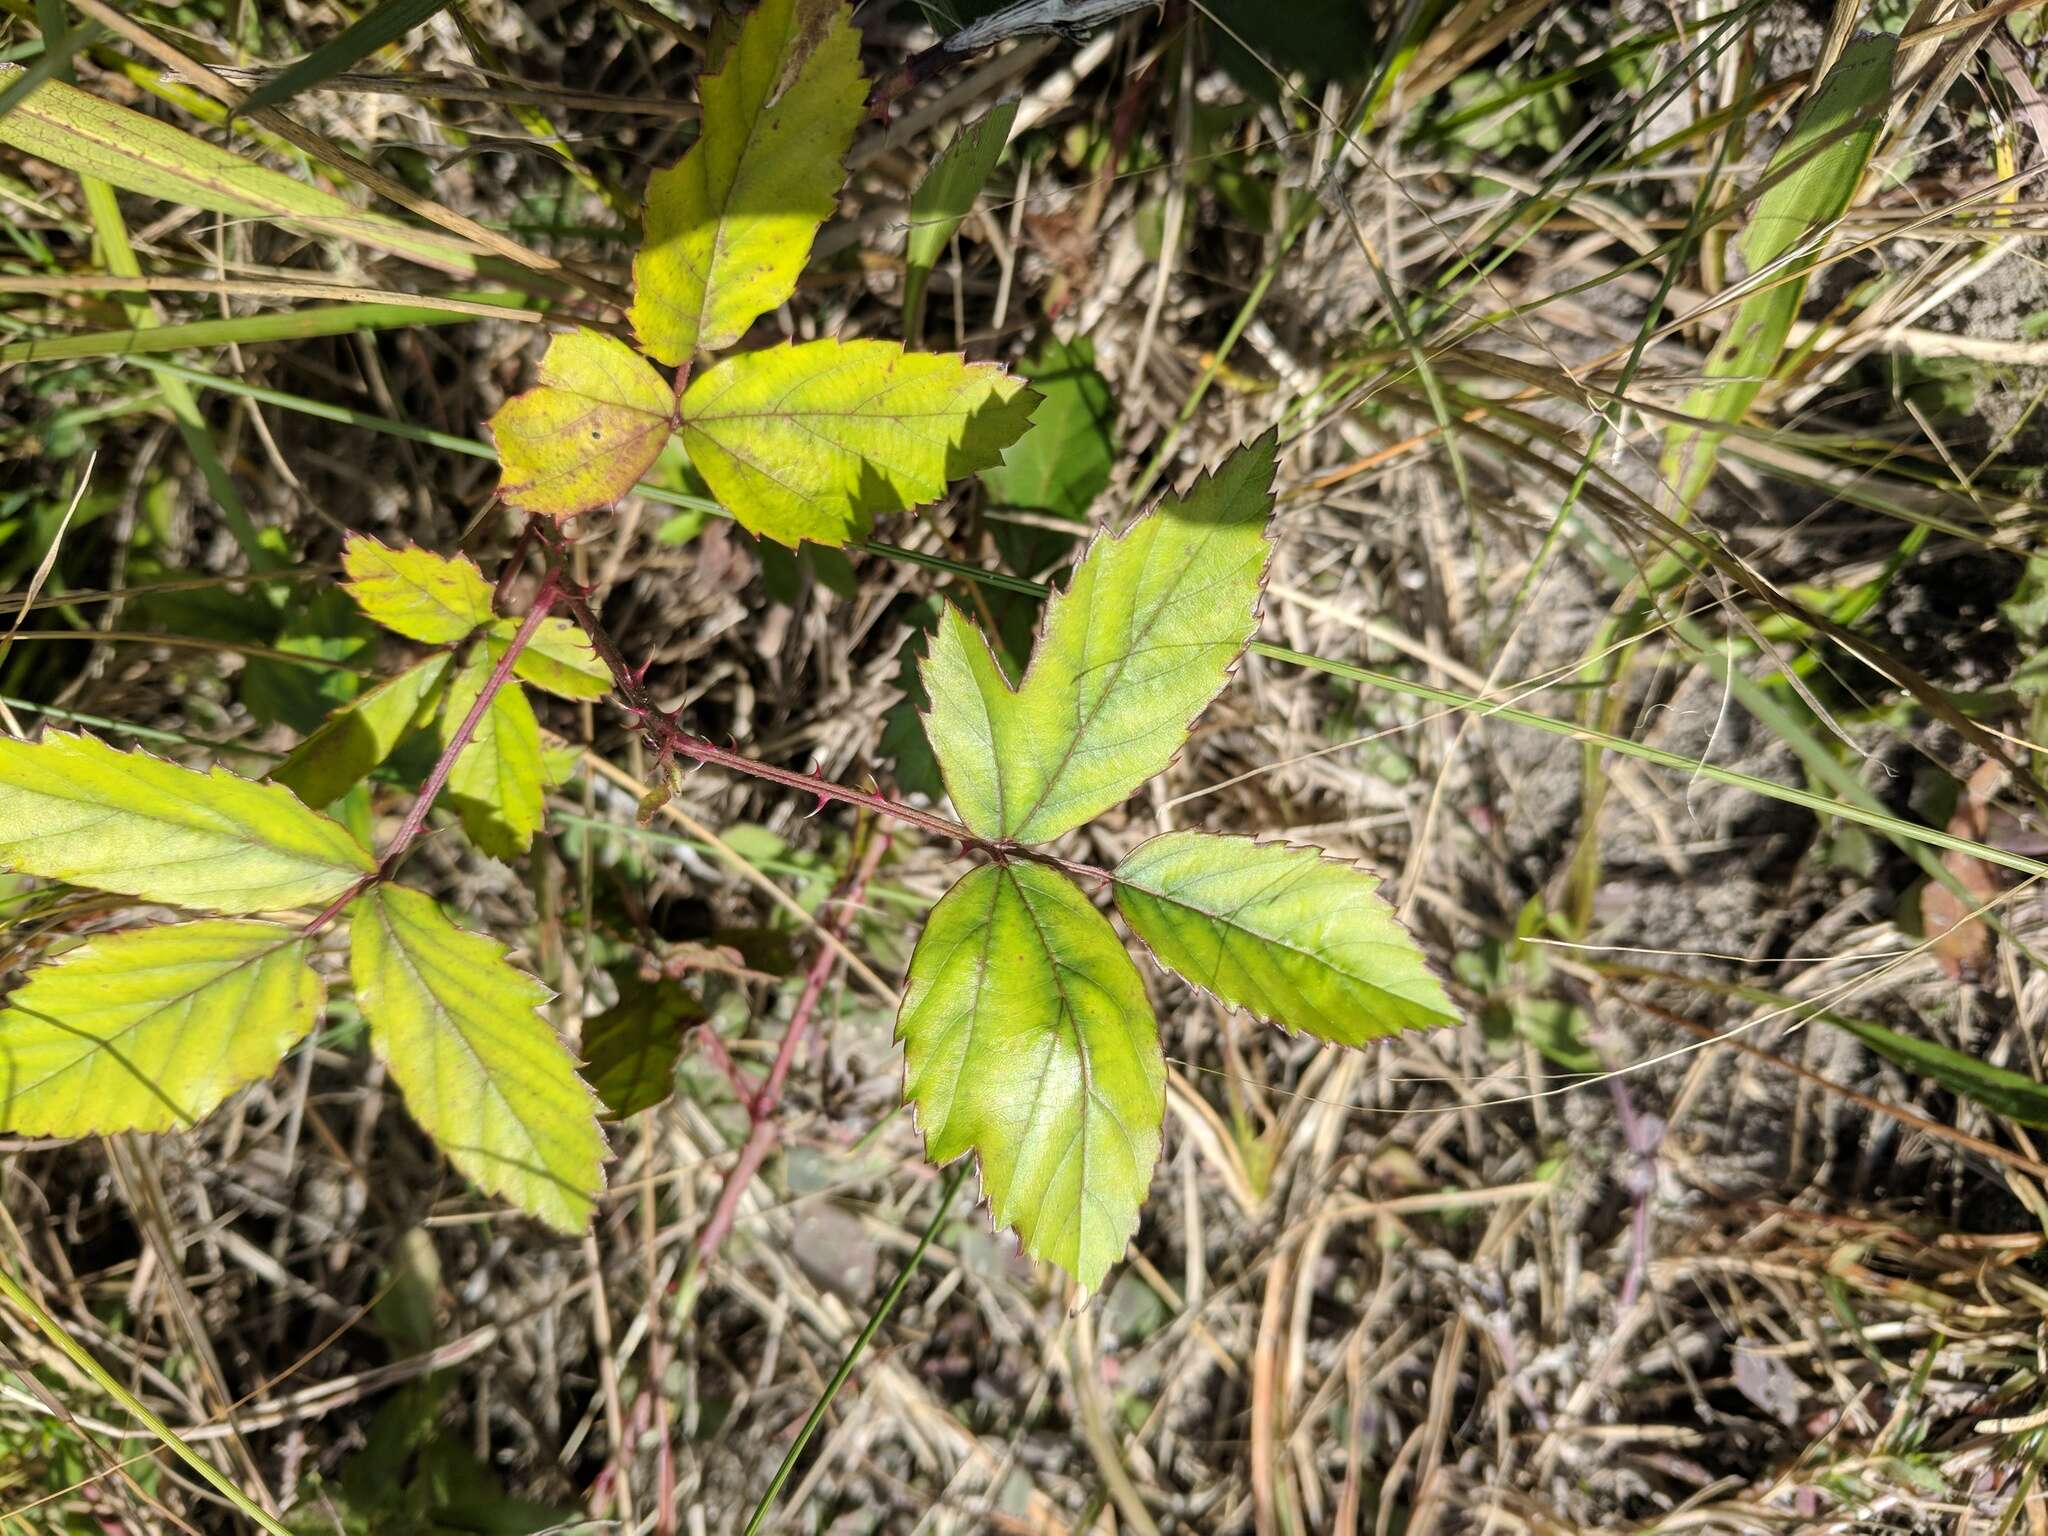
(416, 593)
(74, 809)
(480, 1068)
(499, 784)
(138, 153)
(730, 225)
(587, 433)
(359, 736)
(1142, 639)
(812, 441)
(150, 1029)
(1282, 933)
(1030, 1043)
(558, 658)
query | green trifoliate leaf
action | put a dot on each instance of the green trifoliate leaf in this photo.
(360, 736)
(151, 1029)
(499, 784)
(558, 658)
(74, 809)
(416, 593)
(630, 1050)
(480, 1068)
(730, 225)
(1142, 639)
(584, 435)
(813, 441)
(1031, 1044)
(946, 196)
(1283, 933)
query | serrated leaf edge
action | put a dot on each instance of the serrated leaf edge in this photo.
(982, 1200)
(1097, 537)
(1323, 856)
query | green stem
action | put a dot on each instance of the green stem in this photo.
(53, 1330)
(874, 1324)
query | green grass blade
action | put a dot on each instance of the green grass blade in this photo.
(245, 330)
(52, 64)
(119, 255)
(1808, 185)
(107, 1382)
(867, 1335)
(370, 31)
(82, 133)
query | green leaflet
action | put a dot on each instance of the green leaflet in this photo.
(358, 737)
(1031, 1044)
(499, 784)
(1063, 463)
(74, 809)
(812, 441)
(152, 1028)
(1282, 933)
(1808, 185)
(585, 434)
(945, 197)
(416, 593)
(1142, 639)
(558, 659)
(630, 1050)
(730, 225)
(480, 1067)
(137, 153)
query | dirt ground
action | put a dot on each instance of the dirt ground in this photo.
(1765, 1282)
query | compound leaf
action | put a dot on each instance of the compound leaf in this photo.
(1142, 639)
(480, 1067)
(498, 785)
(558, 659)
(152, 1028)
(358, 737)
(416, 593)
(946, 196)
(1031, 1044)
(730, 225)
(1283, 933)
(74, 809)
(587, 432)
(631, 1049)
(812, 441)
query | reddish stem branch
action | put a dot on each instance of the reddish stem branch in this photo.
(762, 1132)
(668, 740)
(416, 818)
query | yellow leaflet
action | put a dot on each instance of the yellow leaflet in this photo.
(812, 441)
(730, 225)
(416, 593)
(586, 434)
(480, 1067)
